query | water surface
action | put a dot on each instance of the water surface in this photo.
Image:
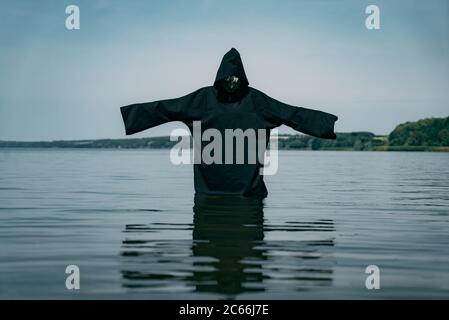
(130, 221)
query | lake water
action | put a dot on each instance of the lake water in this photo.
(129, 220)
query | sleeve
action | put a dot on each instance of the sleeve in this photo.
(141, 116)
(312, 122)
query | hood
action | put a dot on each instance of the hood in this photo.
(231, 65)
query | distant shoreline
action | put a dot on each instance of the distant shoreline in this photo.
(427, 149)
(354, 141)
(431, 134)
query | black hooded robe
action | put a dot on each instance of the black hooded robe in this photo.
(246, 108)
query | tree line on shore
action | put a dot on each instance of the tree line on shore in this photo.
(430, 134)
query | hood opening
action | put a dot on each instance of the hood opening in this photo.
(231, 82)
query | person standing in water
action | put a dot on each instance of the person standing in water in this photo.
(229, 104)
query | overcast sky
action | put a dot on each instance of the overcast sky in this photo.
(61, 84)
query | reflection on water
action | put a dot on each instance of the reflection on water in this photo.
(228, 254)
(125, 218)
(228, 232)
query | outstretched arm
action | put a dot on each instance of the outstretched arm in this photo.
(141, 116)
(313, 122)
